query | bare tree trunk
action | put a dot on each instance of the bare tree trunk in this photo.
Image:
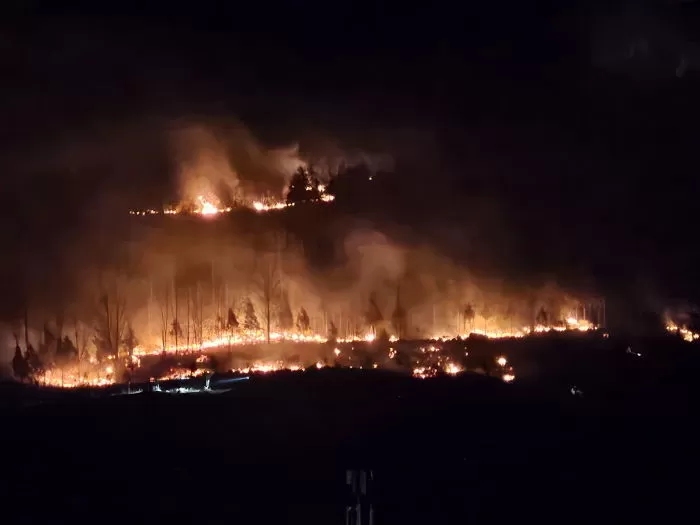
(188, 319)
(26, 328)
(150, 303)
(165, 318)
(267, 318)
(177, 322)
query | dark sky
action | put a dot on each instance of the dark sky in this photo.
(574, 120)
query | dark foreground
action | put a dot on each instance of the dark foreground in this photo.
(274, 449)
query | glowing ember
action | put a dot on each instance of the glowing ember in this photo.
(423, 372)
(453, 369)
(432, 360)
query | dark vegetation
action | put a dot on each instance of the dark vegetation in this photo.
(448, 450)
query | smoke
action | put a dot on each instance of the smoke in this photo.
(227, 163)
(7, 345)
(213, 268)
(373, 258)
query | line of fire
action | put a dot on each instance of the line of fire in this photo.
(209, 286)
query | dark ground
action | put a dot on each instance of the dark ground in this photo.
(274, 449)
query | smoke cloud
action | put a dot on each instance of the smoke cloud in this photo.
(228, 163)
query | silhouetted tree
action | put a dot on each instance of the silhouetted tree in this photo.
(129, 341)
(303, 186)
(510, 313)
(268, 288)
(80, 334)
(20, 367)
(469, 315)
(398, 317)
(542, 317)
(486, 313)
(66, 352)
(36, 367)
(382, 339)
(231, 321)
(332, 332)
(374, 314)
(250, 321)
(197, 317)
(303, 321)
(165, 325)
(109, 330)
(175, 330)
(285, 318)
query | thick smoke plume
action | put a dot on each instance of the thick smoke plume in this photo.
(196, 270)
(228, 163)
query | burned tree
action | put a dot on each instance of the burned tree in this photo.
(303, 322)
(20, 367)
(80, 335)
(469, 314)
(197, 317)
(487, 314)
(231, 325)
(285, 318)
(250, 320)
(36, 366)
(398, 317)
(374, 316)
(130, 342)
(66, 352)
(231, 321)
(303, 186)
(332, 332)
(111, 322)
(542, 317)
(268, 288)
(164, 309)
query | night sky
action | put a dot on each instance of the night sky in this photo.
(570, 126)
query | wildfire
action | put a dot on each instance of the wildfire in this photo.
(207, 208)
(687, 335)
(571, 325)
(432, 361)
(243, 338)
(77, 377)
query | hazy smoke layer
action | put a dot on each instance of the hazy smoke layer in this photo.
(229, 163)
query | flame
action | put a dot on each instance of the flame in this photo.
(432, 360)
(206, 207)
(453, 369)
(688, 335)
